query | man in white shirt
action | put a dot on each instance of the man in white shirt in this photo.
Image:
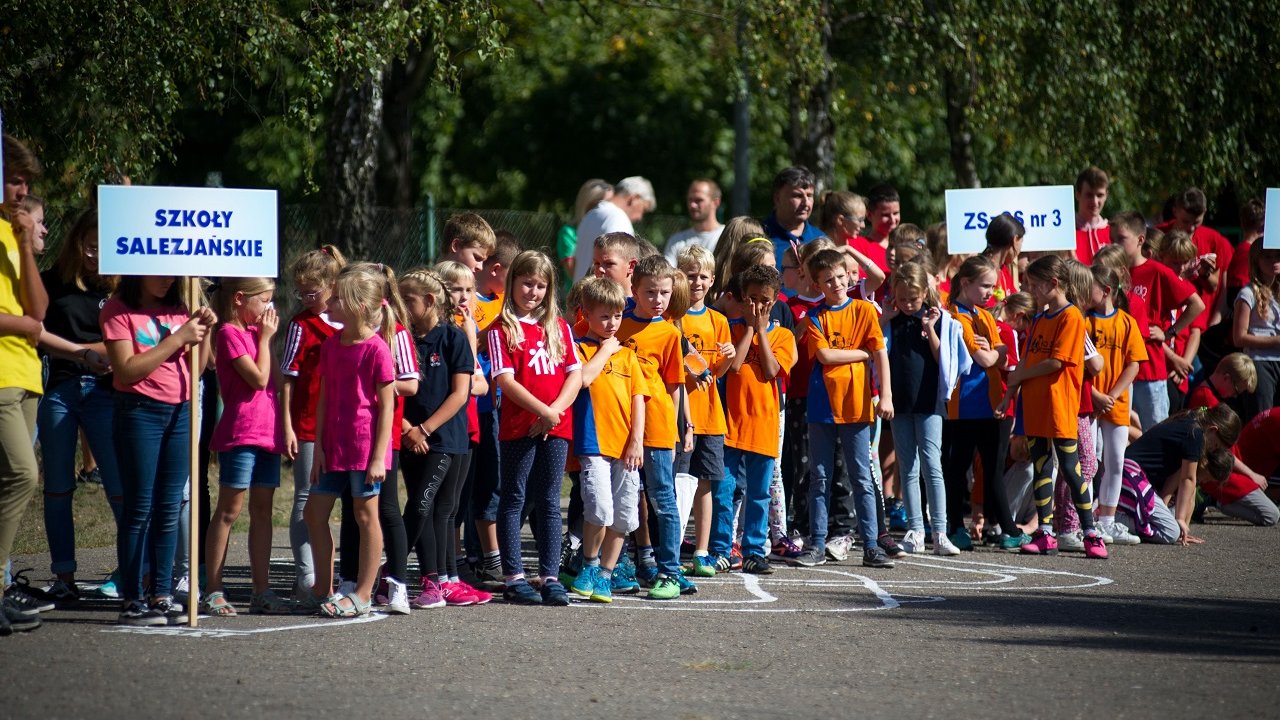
(702, 201)
(632, 198)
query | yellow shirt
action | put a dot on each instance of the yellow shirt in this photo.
(19, 364)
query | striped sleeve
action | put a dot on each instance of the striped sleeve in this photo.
(290, 363)
(498, 355)
(406, 356)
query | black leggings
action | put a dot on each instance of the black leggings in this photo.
(432, 482)
(1068, 452)
(960, 439)
(453, 495)
(393, 537)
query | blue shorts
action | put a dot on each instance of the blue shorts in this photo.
(245, 467)
(333, 483)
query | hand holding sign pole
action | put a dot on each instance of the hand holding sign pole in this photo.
(188, 233)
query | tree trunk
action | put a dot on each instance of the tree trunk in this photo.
(742, 129)
(959, 96)
(403, 83)
(813, 137)
(352, 160)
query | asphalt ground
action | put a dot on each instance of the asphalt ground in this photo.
(1154, 632)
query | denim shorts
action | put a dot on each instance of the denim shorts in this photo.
(244, 467)
(333, 483)
(706, 462)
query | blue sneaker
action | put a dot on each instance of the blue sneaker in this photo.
(686, 585)
(603, 590)
(624, 577)
(585, 582)
(521, 593)
(553, 594)
(897, 513)
(110, 588)
(647, 575)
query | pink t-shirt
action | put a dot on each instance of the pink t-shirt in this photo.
(250, 417)
(170, 382)
(350, 376)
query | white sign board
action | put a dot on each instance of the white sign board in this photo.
(211, 232)
(1047, 213)
(1271, 230)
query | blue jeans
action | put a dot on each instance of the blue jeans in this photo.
(245, 467)
(152, 443)
(756, 471)
(855, 440)
(533, 470)
(1150, 400)
(917, 438)
(659, 479)
(72, 404)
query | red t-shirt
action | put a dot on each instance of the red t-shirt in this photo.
(1163, 292)
(800, 308)
(1207, 241)
(307, 332)
(532, 366)
(1238, 271)
(878, 255)
(1202, 396)
(405, 355)
(1257, 448)
(1090, 240)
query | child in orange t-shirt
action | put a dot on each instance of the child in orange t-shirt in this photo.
(658, 345)
(1049, 381)
(1119, 339)
(763, 351)
(608, 434)
(708, 335)
(842, 335)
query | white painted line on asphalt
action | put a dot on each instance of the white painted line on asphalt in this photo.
(208, 632)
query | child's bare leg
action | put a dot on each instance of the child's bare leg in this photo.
(592, 540)
(230, 502)
(366, 511)
(610, 549)
(702, 517)
(260, 537)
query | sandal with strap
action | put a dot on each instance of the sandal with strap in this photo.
(335, 609)
(308, 605)
(215, 604)
(269, 603)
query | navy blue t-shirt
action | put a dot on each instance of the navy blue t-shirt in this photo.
(914, 378)
(442, 353)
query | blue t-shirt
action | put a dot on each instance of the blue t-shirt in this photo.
(782, 238)
(442, 353)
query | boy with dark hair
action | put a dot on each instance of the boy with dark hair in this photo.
(763, 350)
(1092, 231)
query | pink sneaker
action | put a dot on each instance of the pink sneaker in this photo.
(431, 597)
(1042, 543)
(455, 595)
(480, 596)
(1094, 547)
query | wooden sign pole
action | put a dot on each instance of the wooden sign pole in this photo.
(193, 559)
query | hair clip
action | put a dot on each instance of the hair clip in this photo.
(385, 303)
(757, 239)
(326, 251)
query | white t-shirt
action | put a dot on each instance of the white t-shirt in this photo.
(603, 218)
(1260, 327)
(683, 239)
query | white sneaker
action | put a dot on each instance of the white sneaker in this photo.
(182, 590)
(942, 545)
(1118, 534)
(398, 600)
(913, 541)
(1071, 542)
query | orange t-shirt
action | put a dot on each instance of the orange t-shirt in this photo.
(1119, 341)
(602, 412)
(855, 325)
(656, 343)
(486, 310)
(705, 331)
(1050, 403)
(752, 403)
(977, 322)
